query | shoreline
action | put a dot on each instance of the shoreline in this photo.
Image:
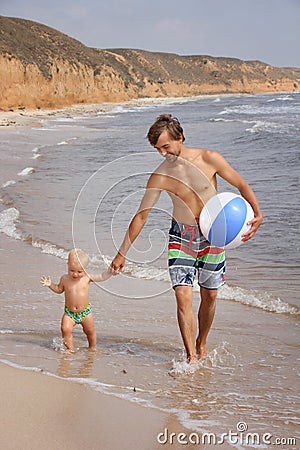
(33, 117)
(47, 409)
(46, 412)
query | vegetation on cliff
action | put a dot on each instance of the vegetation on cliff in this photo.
(41, 67)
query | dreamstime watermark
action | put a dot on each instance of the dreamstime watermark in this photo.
(107, 202)
(239, 437)
(113, 194)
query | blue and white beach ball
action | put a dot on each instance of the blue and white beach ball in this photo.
(224, 218)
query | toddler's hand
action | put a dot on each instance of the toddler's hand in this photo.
(112, 271)
(46, 281)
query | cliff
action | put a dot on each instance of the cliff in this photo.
(43, 68)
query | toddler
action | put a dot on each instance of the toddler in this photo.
(75, 285)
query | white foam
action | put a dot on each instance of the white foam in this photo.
(8, 183)
(50, 249)
(268, 127)
(258, 110)
(58, 344)
(261, 300)
(283, 99)
(26, 171)
(221, 356)
(221, 119)
(8, 217)
(64, 119)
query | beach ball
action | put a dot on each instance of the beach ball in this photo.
(224, 218)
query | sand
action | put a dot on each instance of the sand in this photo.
(33, 117)
(47, 413)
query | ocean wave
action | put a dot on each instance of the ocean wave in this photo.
(8, 225)
(269, 127)
(8, 219)
(26, 171)
(260, 126)
(48, 248)
(261, 300)
(35, 152)
(219, 119)
(8, 183)
(285, 98)
(260, 110)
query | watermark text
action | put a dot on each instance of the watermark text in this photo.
(239, 437)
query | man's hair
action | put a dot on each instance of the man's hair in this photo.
(76, 254)
(162, 123)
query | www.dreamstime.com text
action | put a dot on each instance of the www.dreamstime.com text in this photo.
(240, 437)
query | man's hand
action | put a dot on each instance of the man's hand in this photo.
(118, 263)
(255, 224)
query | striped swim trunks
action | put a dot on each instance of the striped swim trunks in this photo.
(189, 251)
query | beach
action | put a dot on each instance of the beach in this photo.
(41, 412)
(138, 383)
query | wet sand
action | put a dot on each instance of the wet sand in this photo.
(32, 118)
(46, 413)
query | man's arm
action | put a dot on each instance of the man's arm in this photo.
(151, 196)
(224, 170)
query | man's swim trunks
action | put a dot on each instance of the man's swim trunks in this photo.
(80, 315)
(188, 252)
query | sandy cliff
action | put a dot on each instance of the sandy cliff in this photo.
(43, 68)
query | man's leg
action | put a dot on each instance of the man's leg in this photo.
(206, 316)
(186, 319)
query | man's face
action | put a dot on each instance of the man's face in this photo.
(168, 147)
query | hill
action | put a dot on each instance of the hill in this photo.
(43, 68)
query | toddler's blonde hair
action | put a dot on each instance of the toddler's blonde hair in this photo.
(78, 255)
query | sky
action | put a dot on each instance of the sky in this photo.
(265, 30)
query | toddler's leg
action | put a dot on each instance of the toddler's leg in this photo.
(89, 329)
(67, 325)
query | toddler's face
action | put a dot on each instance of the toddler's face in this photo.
(75, 270)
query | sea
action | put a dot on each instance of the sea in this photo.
(77, 180)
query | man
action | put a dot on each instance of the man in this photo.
(188, 175)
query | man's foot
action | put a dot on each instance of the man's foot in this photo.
(201, 350)
(192, 359)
